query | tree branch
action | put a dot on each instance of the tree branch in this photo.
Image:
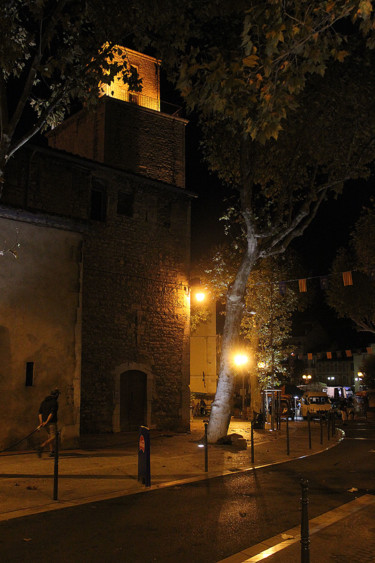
(43, 43)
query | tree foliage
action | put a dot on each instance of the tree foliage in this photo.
(267, 316)
(368, 368)
(357, 301)
(51, 55)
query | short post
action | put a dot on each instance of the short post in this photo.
(305, 541)
(321, 428)
(252, 441)
(56, 468)
(329, 425)
(309, 427)
(205, 446)
(144, 467)
(287, 435)
(333, 425)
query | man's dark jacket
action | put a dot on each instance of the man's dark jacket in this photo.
(49, 405)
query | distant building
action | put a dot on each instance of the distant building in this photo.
(97, 303)
(203, 354)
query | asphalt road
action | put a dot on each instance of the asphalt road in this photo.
(201, 522)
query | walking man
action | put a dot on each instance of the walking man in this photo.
(48, 420)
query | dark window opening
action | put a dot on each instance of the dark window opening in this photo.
(125, 204)
(29, 374)
(98, 207)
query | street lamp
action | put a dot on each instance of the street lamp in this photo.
(306, 378)
(200, 296)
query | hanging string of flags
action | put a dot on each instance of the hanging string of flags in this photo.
(333, 355)
(347, 279)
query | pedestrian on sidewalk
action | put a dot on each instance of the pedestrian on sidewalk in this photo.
(344, 410)
(48, 420)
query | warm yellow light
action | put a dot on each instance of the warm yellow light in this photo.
(306, 376)
(360, 374)
(240, 359)
(200, 296)
(261, 365)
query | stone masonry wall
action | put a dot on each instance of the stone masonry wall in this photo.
(129, 137)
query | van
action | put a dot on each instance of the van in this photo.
(315, 403)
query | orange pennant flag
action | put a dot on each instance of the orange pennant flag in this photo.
(309, 356)
(347, 278)
(302, 285)
(329, 355)
(348, 353)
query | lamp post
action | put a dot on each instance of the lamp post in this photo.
(240, 361)
(306, 378)
(358, 380)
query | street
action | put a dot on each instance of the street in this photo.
(201, 522)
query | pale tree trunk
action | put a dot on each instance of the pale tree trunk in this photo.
(221, 407)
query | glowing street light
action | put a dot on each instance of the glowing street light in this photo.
(240, 360)
(200, 296)
(306, 378)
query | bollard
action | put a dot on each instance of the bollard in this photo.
(305, 541)
(205, 446)
(333, 425)
(56, 468)
(287, 435)
(144, 466)
(252, 441)
(321, 428)
(329, 425)
(309, 427)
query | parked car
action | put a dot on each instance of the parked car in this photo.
(315, 403)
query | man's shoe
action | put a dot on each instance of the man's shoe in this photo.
(39, 451)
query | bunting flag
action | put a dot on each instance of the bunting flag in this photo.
(347, 278)
(338, 355)
(302, 285)
(282, 287)
(323, 282)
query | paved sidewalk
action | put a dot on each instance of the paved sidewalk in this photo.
(107, 466)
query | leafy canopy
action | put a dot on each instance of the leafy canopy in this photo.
(51, 55)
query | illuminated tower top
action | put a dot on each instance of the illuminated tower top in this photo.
(148, 69)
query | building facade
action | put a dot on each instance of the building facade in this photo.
(98, 302)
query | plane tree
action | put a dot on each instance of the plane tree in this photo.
(282, 124)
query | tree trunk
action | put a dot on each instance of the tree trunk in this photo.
(221, 407)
